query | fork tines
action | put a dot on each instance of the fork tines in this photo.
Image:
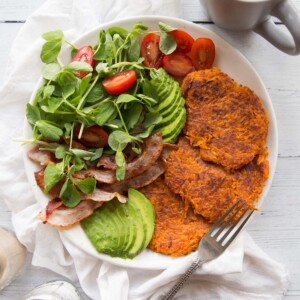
(231, 223)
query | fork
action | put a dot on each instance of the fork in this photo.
(215, 241)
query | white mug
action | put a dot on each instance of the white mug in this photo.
(256, 15)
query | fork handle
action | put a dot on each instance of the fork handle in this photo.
(182, 279)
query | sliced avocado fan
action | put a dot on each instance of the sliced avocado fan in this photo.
(171, 104)
(121, 230)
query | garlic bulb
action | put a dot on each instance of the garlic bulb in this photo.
(55, 290)
(12, 257)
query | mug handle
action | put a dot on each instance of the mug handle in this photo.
(290, 17)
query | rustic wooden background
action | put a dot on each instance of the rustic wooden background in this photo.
(277, 227)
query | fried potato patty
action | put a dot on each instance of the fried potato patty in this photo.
(208, 187)
(176, 233)
(226, 120)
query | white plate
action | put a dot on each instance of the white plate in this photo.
(229, 60)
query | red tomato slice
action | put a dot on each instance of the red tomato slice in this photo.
(177, 64)
(120, 82)
(84, 54)
(183, 39)
(203, 53)
(150, 51)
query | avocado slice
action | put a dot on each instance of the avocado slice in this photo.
(116, 222)
(147, 211)
(171, 116)
(122, 230)
(101, 231)
(178, 100)
(171, 131)
(120, 211)
(172, 92)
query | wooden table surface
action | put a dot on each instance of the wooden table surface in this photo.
(276, 229)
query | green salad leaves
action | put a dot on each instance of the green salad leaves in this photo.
(66, 101)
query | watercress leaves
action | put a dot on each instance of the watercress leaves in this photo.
(79, 66)
(50, 51)
(52, 176)
(167, 43)
(118, 138)
(126, 98)
(65, 100)
(118, 30)
(32, 113)
(53, 35)
(67, 81)
(96, 94)
(106, 111)
(52, 47)
(134, 51)
(50, 71)
(86, 185)
(165, 27)
(49, 131)
(69, 194)
(133, 114)
(121, 164)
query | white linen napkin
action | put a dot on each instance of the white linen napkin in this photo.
(243, 272)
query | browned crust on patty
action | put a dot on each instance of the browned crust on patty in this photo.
(226, 120)
(208, 187)
(176, 233)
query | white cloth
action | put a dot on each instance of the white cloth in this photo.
(243, 272)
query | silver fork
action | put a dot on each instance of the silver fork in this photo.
(215, 241)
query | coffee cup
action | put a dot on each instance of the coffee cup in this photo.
(256, 15)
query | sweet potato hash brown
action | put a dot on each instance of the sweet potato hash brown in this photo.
(208, 187)
(176, 232)
(226, 120)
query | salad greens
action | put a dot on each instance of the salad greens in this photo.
(65, 101)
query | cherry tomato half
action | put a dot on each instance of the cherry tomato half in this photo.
(203, 53)
(120, 82)
(93, 137)
(150, 51)
(183, 39)
(177, 64)
(84, 54)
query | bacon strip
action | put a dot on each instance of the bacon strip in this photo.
(152, 150)
(40, 156)
(64, 217)
(105, 176)
(104, 196)
(139, 181)
(107, 161)
(97, 195)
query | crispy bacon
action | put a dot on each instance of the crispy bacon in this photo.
(97, 195)
(40, 156)
(105, 176)
(152, 150)
(104, 196)
(64, 217)
(107, 161)
(139, 181)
